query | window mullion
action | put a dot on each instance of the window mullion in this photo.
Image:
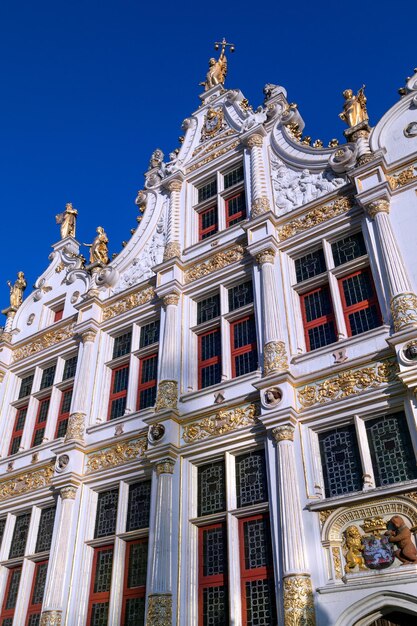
(117, 577)
(337, 307)
(365, 454)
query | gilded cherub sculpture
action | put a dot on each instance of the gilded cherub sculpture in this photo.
(98, 249)
(67, 221)
(354, 109)
(16, 290)
(217, 69)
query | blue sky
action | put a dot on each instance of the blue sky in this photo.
(90, 89)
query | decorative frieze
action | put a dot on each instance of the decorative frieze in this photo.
(51, 618)
(213, 155)
(48, 339)
(315, 217)
(159, 610)
(122, 452)
(129, 302)
(275, 357)
(215, 263)
(167, 397)
(222, 422)
(76, 427)
(404, 177)
(26, 482)
(298, 601)
(404, 310)
(348, 383)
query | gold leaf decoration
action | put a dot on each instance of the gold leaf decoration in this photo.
(298, 601)
(48, 339)
(129, 302)
(222, 422)
(215, 263)
(26, 482)
(118, 454)
(313, 218)
(213, 156)
(403, 178)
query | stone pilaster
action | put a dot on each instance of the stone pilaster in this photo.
(297, 589)
(76, 421)
(260, 201)
(167, 395)
(59, 558)
(160, 595)
(403, 300)
(173, 246)
(275, 355)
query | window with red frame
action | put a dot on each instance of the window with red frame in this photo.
(134, 585)
(209, 358)
(318, 318)
(40, 425)
(208, 223)
(256, 571)
(118, 392)
(212, 575)
(243, 346)
(148, 370)
(359, 301)
(10, 596)
(235, 209)
(63, 415)
(58, 314)
(98, 605)
(18, 427)
(36, 594)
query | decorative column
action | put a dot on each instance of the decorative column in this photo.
(298, 591)
(160, 596)
(402, 299)
(58, 561)
(76, 421)
(173, 246)
(167, 396)
(260, 200)
(275, 355)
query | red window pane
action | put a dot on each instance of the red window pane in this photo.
(360, 303)
(63, 415)
(209, 358)
(118, 392)
(148, 371)
(244, 349)
(134, 586)
(208, 223)
(98, 606)
(212, 576)
(36, 594)
(18, 427)
(235, 209)
(10, 596)
(40, 424)
(58, 314)
(318, 318)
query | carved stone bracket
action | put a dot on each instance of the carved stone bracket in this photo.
(51, 618)
(76, 427)
(68, 493)
(167, 397)
(275, 357)
(298, 601)
(255, 141)
(283, 432)
(159, 610)
(404, 310)
(165, 466)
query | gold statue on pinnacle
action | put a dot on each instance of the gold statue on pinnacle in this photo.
(217, 69)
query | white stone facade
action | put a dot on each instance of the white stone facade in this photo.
(243, 231)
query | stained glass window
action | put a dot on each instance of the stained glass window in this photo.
(208, 309)
(310, 265)
(48, 376)
(70, 368)
(26, 386)
(211, 488)
(149, 334)
(208, 190)
(241, 295)
(106, 513)
(20, 535)
(46, 528)
(139, 505)
(251, 485)
(122, 344)
(342, 469)
(348, 248)
(233, 177)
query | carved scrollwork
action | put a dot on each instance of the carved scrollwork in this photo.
(129, 302)
(315, 217)
(51, 618)
(404, 310)
(167, 397)
(260, 206)
(26, 482)
(215, 263)
(121, 453)
(159, 610)
(298, 601)
(48, 339)
(76, 427)
(275, 357)
(222, 422)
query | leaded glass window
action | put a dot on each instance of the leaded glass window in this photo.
(241, 295)
(2, 527)
(70, 368)
(39, 586)
(391, 449)
(342, 469)
(106, 513)
(214, 551)
(310, 265)
(233, 177)
(251, 485)
(256, 542)
(348, 248)
(122, 344)
(139, 505)
(15, 575)
(102, 578)
(211, 488)
(99, 614)
(135, 612)
(20, 535)
(26, 386)
(149, 334)
(137, 565)
(208, 309)
(46, 528)
(260, 602)
(207, 191)
(48, 376)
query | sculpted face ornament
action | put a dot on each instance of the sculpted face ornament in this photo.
(62, 462)
(156, 432)
(271, 397)
(411, 352)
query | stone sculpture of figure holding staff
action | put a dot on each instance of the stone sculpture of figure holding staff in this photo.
(16, 291)
(67, 221)
(217, 69)
(354, 108)
(98, 249)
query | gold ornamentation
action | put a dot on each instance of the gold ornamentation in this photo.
(220, 423)
(122, 452)
(2, 375)
(213, 156)
(354, 108)
(374, 525)
(16, 291)
(403, 178)
(255, 141)
(212, 145)
(260, 206)
(298, 601)
(67, 220)
(88, 335)
(60, 267)
(27, 482)
(46, 340)
(51, 618)
(295, 131)
(353, 549)
(166, 466)
(68, 493)
(313, 218)
(159, 610)
(129, 302)
(213, 122)
(379, 206)
(171, 298)
(324, 515)
(98, 249)
(275, 357)
(404, 310)
(215, 263)
(337, 562)
(174, 185)
(283, 432)
(167, 397)
(348, 383)
(172, 249)
(266, 256)
(76, 427)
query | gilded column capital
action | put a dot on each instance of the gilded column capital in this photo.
(275, 357)
(88, 335)
(68, 493)
(283, 432)
(298, 601)
(378, 206)
(172, 249)
(404, 310)
(159, 610)
(167, 397)
(76, 425)
(265, 256)
(255, 141)
(171, 298)
(259, 206)
(51, 618)
(165, 466)
(174, 185)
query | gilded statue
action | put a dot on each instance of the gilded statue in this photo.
(400, 535)
(354, 549)
(16, 290)
(217, 69)
(67, 221)
(98, 249)
(354, 108)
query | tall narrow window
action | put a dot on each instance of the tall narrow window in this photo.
(122, 344)
(359, 301)
(212, 575)
(342, 469)
(26, 386)
(46, 528)
(235, 209)
(40, 425)
(70, 368)
(98, 608)
(134, 584)
(106, 513)
(10, 596)
(148, 369)
(244, 350)
(36, 594)
(149, 334)
(63, 415)
(48, 376)
(20, 535)
(318, 317)
(119, 383)
(208, 222)
(139, 505)
(18, 427)
(209, 358)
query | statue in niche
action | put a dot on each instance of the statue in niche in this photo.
(354, 549)
(400, 535)
(98, 249)
(67, 220)
(16, 290)
(354, 109)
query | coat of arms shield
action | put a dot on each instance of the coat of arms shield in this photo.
(377, 552)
